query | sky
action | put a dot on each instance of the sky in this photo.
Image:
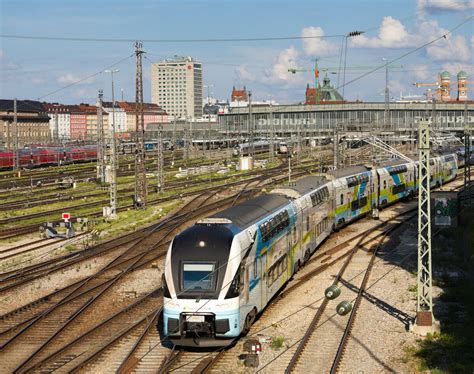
(41, 68)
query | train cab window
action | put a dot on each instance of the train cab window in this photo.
(307, 223)
(255, 269)
(342, 198)
(197, 277)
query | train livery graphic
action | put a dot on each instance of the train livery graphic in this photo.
(221, 272)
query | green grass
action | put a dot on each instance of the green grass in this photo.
(277, 342)
(452, 351)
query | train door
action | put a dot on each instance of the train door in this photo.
(246, 284)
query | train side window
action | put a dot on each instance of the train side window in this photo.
(307, 223)
(255, 268)
(342, 198)
(385, 184)
(294, 235)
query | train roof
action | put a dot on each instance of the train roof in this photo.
(351, 170)
(251, 211)
(301, 186)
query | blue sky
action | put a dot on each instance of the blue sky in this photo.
(30, 69)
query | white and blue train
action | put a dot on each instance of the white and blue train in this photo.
(221, 272)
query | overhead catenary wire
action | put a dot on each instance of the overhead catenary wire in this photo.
(85, 78)
(407, 53)
(211, 40)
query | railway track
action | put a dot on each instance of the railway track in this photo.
(21, 230)
(68, 305)
(72, 362)
(322, 340)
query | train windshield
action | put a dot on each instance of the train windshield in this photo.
(197, 277)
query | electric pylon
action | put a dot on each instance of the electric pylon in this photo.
(160, 163)
(101, 148)
(140, 172)
(424, 310)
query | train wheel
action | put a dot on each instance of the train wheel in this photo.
(306, 256)
(249, 320)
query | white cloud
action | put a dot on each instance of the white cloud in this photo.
(285, 60)
(435, 5)
(317, 46)
(243, 73)
(85, 94)
(37, 80)
(455, 68)
(392, 34)
(71, 78)
(421, 72)
(450, 48)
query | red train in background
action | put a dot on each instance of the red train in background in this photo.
(44, 156)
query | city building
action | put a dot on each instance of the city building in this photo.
(239, 95)
(60, 121)
(321, 119)
(120, 117)
(32, 121)
(78, 120)
(152, 113)
(462, 86)
(176, 86)
(326, 94)
(91, 121)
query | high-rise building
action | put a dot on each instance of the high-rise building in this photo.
(176, 86)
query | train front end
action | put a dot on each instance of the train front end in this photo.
(200, 287)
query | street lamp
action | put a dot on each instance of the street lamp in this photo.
(209, 114)
(113, 172)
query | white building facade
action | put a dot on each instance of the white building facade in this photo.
(176, 86)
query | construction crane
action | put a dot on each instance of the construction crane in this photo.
(316, 71)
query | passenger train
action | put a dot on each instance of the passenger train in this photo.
(221, 272)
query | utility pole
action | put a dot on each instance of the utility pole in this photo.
(467, 154)
(387, 124)
(336, 146)
(424, 321)
(208, 119)
(56, 127)
(250, 125)
(160, 163)
(298, 154)
(16, 150)
(140, 172)
(101, 149)
(173, 140)
(272, 135)
(113, 155)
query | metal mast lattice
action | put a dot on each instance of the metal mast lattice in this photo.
(424, 310)
(101, 149)
(160, 163)
(140, 172)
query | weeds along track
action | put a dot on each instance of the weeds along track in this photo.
(32, 336)
(25, 229)
(355, 252)
(40, 330)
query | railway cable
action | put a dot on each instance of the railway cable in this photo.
(100, 350)
(88, 303)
